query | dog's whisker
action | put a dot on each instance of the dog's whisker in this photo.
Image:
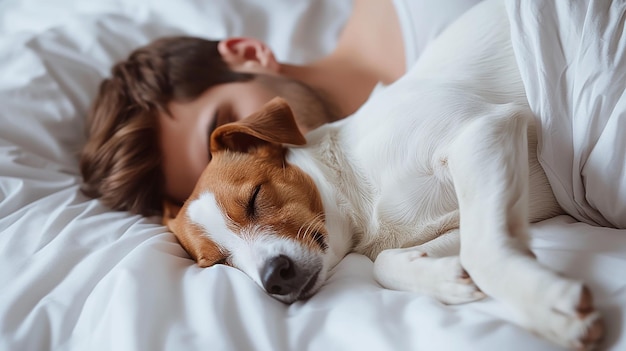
(299, 231)
(307, 231)
(313, 226)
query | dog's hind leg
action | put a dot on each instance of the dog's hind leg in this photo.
(432, 268)
(489, 165)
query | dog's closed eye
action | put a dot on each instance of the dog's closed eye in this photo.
(251, 206)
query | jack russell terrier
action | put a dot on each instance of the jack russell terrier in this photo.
(435, 178)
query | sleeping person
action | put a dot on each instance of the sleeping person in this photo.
(150, 124)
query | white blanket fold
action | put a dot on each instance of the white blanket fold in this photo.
(572, 56)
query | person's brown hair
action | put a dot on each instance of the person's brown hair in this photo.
(121, 161)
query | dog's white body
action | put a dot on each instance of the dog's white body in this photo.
(454, 133)
(435, 178)
(389, 174)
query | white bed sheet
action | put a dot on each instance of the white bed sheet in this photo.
(77, 276)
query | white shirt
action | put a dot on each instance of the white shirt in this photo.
(422, 21)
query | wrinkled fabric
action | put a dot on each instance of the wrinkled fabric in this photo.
(75, 275)
(572, 57)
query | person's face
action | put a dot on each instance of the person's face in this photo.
(185, 135)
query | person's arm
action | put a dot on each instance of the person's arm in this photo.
(372, 37)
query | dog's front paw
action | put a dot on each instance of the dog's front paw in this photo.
(454, 285)
(567, 316)
(412, 270)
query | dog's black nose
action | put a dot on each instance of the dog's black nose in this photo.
(280, 276)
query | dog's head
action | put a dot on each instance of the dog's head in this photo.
(254, 211)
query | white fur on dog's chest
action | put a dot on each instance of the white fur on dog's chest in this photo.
(385, 169)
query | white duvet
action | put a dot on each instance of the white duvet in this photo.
(572, 58)
(77, 276)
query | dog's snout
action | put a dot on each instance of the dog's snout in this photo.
(280, 276)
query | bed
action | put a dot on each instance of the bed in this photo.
(75, 275)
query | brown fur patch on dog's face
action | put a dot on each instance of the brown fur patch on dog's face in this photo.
(253, 186)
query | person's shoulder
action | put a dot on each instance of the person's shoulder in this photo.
(373, 38)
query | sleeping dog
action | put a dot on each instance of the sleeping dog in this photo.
(435, 178)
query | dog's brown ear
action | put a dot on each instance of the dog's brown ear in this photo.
(273, 124)
(202, 249)
(170, 211)
(190, 237)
